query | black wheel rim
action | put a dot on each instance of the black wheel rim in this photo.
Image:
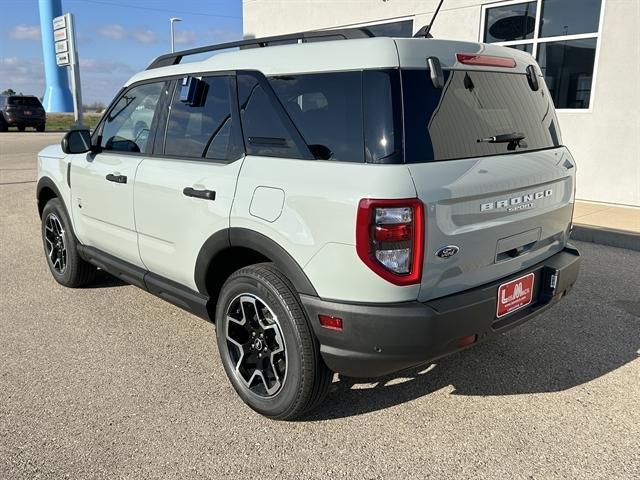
(55, 245)
(256, 346)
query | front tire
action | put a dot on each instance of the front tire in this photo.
(22, 128)
(60, 248)
(266, 344)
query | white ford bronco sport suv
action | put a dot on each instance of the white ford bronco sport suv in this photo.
(333, 202)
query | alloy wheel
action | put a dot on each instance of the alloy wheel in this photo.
(256, 345)
(54, 236)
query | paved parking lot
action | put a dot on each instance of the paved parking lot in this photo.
(110, 382)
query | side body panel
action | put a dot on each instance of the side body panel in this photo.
(52, 164)
(316, 224)
(172, 227)
(102, 209)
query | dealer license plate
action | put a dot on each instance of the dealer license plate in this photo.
(515, 295)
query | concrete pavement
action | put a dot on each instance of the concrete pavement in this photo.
(111, 382)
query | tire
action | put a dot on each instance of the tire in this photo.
(21, 128)
(4, 126)
(40, 128)
(294, 377)
(60, 247)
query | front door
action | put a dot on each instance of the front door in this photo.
(102, 183)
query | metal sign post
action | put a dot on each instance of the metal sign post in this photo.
(67, 56)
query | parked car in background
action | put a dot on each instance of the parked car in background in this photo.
(21, 111)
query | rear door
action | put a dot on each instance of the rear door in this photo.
(102, 184)
(184, 192)
(502, 206)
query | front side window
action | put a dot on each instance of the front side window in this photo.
(127, 125)
(561, 34)
(204, 129)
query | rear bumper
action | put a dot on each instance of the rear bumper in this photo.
(381, 339)
(14, 119)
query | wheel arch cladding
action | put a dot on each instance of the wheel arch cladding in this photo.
(45, 191)
(228, 250)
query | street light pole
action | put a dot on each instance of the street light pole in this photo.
(171, 21)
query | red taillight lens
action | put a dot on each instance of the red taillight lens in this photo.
(332, 323)
(486, 60)
(390, 238)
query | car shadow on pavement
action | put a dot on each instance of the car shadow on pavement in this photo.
(571, 344)
(105, 280)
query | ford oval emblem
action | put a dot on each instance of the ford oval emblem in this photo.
(448, 251)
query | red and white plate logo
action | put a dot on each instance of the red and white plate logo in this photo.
(515, 294)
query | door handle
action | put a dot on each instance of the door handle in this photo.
(206, 194)
(116, 178)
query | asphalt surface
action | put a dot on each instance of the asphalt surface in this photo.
(111, 382)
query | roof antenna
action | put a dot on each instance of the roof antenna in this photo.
(424, 31)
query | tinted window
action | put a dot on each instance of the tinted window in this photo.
(382, 116)
(446, 123)
(327, 110)
(264, 127)
(393, 29)
(510, 22)
(24, 101)
(204, 129)
(568, 71)
(568, 17)
(525, 47)
(126, 127)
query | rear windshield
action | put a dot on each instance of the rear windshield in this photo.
(24, 101)
(447, 123)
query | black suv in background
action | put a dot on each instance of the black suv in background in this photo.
(21, 111)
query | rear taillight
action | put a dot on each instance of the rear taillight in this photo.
(485, 60)
(390, 238)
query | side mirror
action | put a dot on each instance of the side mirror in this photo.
(76, 141)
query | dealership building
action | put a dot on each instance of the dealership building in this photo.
(589, 52)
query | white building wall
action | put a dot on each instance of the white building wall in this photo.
(604, 139)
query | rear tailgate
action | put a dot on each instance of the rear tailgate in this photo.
(504, 214)
(485, 154)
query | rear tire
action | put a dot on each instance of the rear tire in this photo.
(261, 327)
(61, 248)
(40, 128)
(4, 126)
(21, 128)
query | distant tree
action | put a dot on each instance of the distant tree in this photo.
(9, 91)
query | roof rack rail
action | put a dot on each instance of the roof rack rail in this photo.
(341, 34)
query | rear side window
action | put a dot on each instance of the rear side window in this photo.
(327, 110)
(450, 123)
(205, 129)
(264, 128)
(127, 125)
(346, 116)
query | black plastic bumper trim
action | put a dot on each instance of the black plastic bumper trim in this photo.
(381, 339)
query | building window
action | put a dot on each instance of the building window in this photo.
(561, 34)
(393, 29)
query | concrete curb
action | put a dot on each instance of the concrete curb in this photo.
(606, 236)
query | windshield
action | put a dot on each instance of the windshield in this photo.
(470, 115)
(24, 101)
